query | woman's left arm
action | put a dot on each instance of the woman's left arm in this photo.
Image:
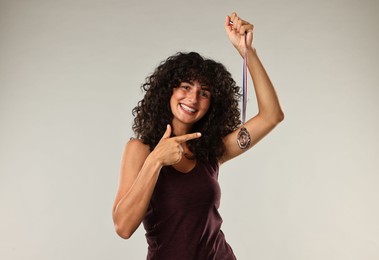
(269, 110)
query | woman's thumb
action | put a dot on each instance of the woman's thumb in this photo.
(167, 133)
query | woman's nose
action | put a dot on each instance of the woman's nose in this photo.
(193, 95)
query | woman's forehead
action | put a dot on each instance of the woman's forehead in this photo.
(195, 83)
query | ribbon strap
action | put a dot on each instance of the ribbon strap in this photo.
(243, 137)
(244, 85)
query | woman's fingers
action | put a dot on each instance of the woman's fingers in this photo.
(184, 138)
(233, 17)
(180, 138)
(239, 25)
(239, 31)
(169, 149)
(228, 24)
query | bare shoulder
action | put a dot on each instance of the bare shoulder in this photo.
(135, 149)
(134, 143)
(133, 158)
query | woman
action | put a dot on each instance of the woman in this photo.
(187, 125)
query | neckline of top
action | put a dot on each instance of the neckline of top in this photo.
(185, 173)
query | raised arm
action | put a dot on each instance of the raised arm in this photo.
(138, 175)
(269, 110)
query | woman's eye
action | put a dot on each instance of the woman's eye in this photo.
(185, 87)
(204, 93)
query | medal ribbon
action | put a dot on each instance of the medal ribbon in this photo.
(244, 80)
(243, 137)
(244, 85)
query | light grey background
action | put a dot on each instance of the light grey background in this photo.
(70, 73)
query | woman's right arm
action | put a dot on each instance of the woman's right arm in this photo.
(138, 175)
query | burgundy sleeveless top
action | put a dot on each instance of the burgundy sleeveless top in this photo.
(182, 221)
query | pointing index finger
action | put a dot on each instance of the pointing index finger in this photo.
(187, 137)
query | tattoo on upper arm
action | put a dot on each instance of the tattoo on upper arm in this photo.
(243, 138)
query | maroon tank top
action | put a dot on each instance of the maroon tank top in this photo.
(182, 221)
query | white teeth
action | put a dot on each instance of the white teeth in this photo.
(187, 108)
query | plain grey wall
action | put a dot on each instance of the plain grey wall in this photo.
(70, 73)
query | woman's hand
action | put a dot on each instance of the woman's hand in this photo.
(236, 28)
(169, 150)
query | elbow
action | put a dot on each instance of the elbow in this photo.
(272, 117)
(122, 227)
(123, 232)
(279, 117)
(275, 119)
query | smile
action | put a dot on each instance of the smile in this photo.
(187, 108)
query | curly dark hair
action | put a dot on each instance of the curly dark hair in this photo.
(153, 112)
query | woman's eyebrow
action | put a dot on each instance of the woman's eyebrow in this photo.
(202, 86)
(205, 88)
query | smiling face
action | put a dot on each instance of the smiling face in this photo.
(189, 102)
